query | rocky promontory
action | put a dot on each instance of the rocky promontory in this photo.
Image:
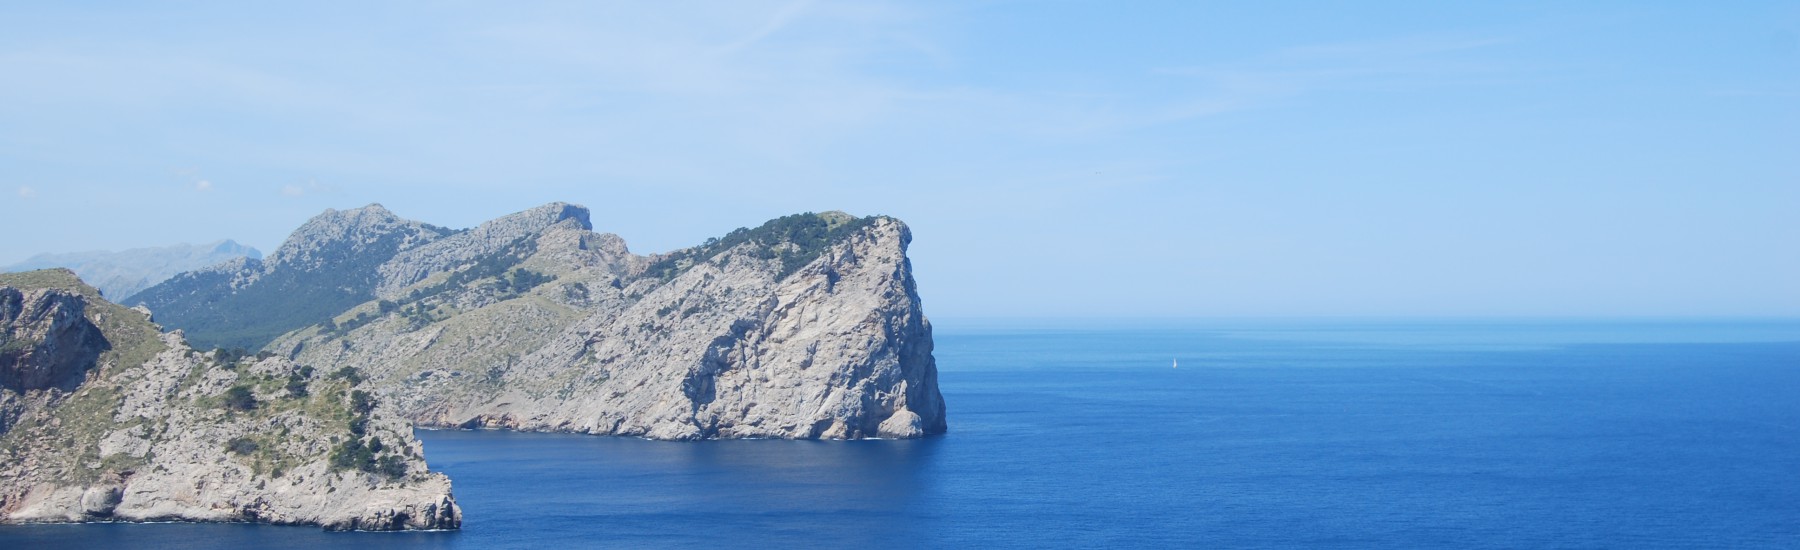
(808, 326)
(105, 418)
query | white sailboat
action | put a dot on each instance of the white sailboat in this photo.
(1176, 364)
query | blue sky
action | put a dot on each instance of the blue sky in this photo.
(1057, 158)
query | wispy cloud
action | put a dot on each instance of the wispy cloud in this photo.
(624, 92)
(775, 84)
(27, 193)
(1186, 93)
(775, 22)
(194, 181)
(1395, 65)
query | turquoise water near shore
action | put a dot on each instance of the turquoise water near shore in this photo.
(1276, 433)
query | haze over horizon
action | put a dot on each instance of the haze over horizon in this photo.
(1053, 159)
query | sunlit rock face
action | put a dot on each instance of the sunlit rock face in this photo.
(809, 326)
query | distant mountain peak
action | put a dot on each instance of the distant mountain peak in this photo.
(232, 248)
(353, 231)
(123, 273)
(366, 214)
(547, 215)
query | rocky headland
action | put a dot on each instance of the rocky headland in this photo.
(808, 326)
(103, 417)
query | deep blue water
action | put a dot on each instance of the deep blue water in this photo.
(1270, 434)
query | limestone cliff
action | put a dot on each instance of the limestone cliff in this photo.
(809, 326)
(107, 418)
(48, 341)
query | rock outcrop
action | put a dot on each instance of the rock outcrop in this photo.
(494, 237)
(110, 419)
(807, 327)
(46, 341)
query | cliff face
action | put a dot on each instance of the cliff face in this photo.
(46, 341)
(109, 419)
(807, 327)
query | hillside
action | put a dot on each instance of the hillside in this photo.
(325, 267)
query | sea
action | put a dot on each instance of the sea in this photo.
(1268, 433)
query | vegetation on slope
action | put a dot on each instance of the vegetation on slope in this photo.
(795, 240)
(496, 271)
(214, 314)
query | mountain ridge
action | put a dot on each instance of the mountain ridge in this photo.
(806, 326)
(325, 266)
(120, 274)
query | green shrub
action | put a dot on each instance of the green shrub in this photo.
(392, 466)
(362, 402)
(366, 457)
(352, 455)
(241, 445)
(348, 373)
(239, 398)
(808, 234)
(296, 386)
